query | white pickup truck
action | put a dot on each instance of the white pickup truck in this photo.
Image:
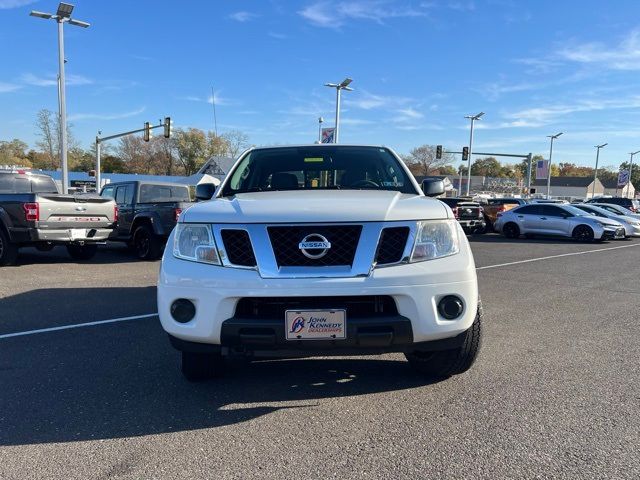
(320, 250)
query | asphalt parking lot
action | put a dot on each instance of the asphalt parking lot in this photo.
(555, 393)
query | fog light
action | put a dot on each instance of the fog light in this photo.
(183, 310)
(450, 307)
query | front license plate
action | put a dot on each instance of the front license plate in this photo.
(316, 324)
(78, 233)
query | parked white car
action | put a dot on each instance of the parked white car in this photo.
(631, 225)
(617, 209)
(320, 250)
(558, 220)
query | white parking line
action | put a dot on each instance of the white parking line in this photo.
(77, 325)
(149, 315)
(585, 252)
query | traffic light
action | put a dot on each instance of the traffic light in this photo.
(438, 152)
(465, 153)
(147, 132)
(168, 127)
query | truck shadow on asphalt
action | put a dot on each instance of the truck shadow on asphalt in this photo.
(123, 380)
(110, 253)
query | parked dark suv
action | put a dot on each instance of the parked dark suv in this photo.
(469, 214)
(628, 203)
(148, 212)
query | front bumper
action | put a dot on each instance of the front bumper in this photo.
(415, 288)
(610, 233)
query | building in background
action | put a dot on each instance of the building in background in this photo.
(569, 187)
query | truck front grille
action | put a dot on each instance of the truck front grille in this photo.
(238, 247)
(285, 241)
(392, 244)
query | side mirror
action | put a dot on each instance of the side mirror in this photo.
(205, 191)
(432, 187)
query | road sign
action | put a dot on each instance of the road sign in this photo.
(623, 178)
(328, 135)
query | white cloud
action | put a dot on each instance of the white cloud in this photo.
(242, 16)
(51, 80)
(7, 4)
(334, 14)
(278, 36)
(102, 116)
(209, 99)
(8, 87)
(624, 56)
(410, 113)
(355, 121)
(369, 101)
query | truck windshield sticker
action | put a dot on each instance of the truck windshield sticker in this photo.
(313, 160)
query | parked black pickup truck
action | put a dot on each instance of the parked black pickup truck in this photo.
(148, 211)
(33, 213)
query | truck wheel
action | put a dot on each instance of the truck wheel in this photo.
(201, 366)
(445, 363)
(82, 252)
(8, 250)
(147, 245)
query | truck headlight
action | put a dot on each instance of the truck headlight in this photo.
(435, 239)
(194, 242)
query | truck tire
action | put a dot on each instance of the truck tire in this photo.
(146, 244)
(8, 250)
(443, 364)
(197, 366)
(82, 252)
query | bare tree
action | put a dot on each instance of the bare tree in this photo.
(47, 132)
(422, 160)
(237, 142)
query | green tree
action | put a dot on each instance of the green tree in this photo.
(14, 153)
(193, 148)
(486, 167)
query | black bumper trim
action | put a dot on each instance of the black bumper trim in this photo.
(365, 336)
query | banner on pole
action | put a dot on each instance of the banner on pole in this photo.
(542, 169)
(328, 134)
(623, 178)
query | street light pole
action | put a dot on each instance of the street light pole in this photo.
(595, 175)
(473, 118)
(62, 16)
(339, 86)
(552, 137)
(320, 120)
(630, 171)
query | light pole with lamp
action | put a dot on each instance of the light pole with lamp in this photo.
(320, 120)
(630, 171)
(595, 175)
(62, 16)
(339, 87)
(552, 137)
(473, 118)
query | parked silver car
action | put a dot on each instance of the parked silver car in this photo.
(617, 209)
(631, 225)
(559, 220)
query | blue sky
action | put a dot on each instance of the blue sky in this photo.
(535, 68)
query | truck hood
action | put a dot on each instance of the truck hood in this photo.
(320, 206)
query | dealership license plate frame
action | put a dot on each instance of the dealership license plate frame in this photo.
(332, 315)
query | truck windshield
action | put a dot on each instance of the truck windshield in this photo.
(318, 168)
